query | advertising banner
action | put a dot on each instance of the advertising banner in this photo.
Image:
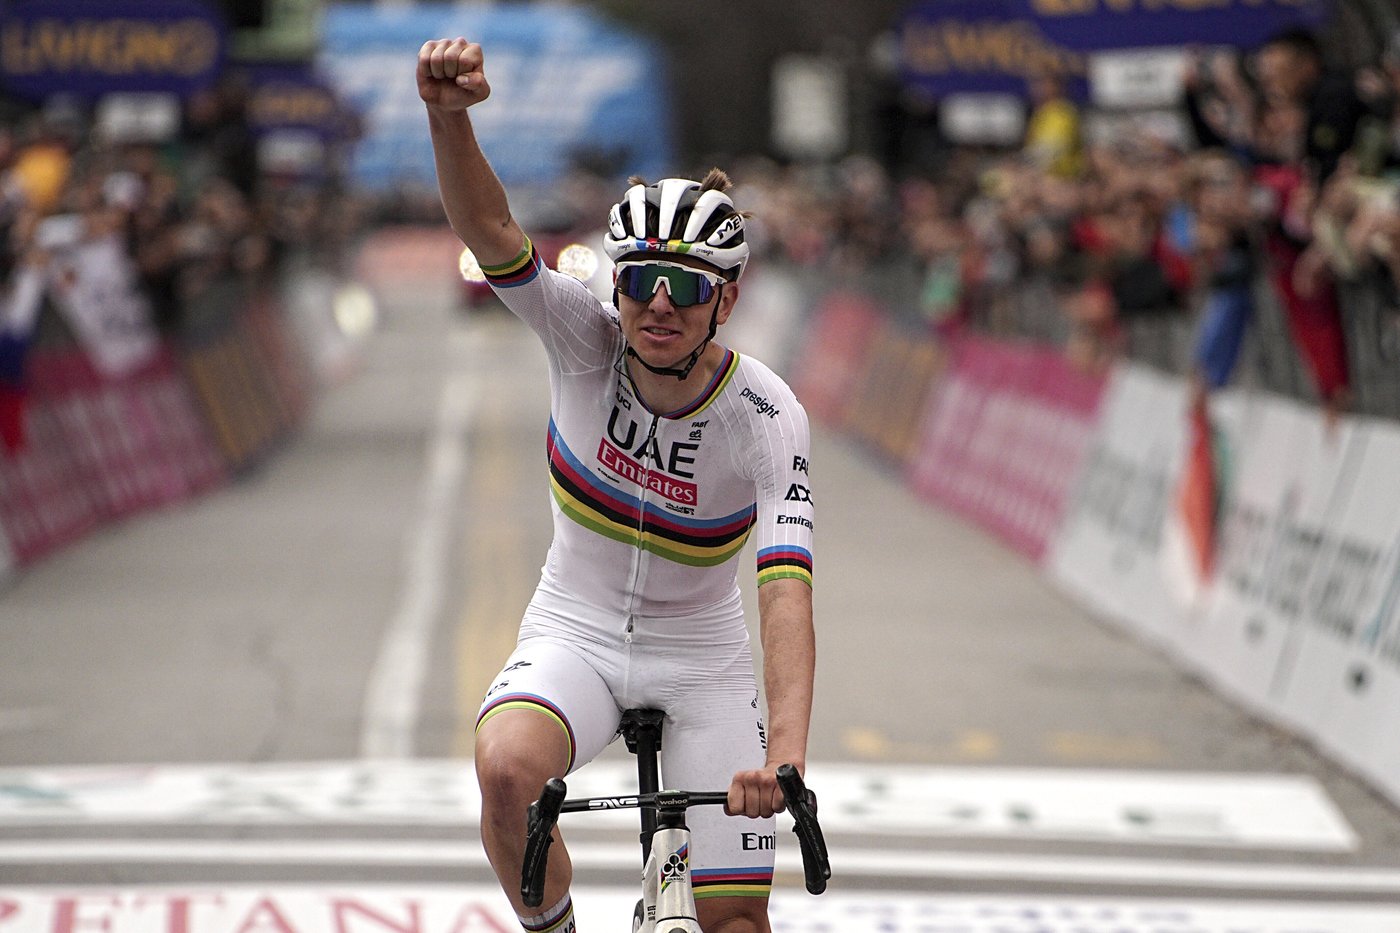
(1088, 25)
(44, 500)
(1004, 437)
(1344, 687)
(564, 84)
(93, 283)
(1292, 473)
(88, 49)
(835, 355)
(1108, 550)
(980, 46)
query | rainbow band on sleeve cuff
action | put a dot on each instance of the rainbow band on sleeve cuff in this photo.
(784, 561)
(522, 269)
(532, 702)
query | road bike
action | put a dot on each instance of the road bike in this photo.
(667, 904)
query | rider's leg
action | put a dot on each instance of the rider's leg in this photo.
(714, 730)
(548, 710)
(517, 750)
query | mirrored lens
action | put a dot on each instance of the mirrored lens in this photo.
(682, 285)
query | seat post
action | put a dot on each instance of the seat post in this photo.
(641, 729)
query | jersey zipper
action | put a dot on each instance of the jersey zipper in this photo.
(638, 556)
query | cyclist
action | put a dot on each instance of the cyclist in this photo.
(666, 450)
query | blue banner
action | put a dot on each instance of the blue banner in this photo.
(563, 82)
(87, 48)
(1095, 25)
(980, 46)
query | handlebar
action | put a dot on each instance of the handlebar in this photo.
(802, 804)
(539, 823)
(544, 814)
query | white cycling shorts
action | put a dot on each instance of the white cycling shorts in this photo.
(713, 729)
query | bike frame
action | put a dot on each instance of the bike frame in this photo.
(668, 899)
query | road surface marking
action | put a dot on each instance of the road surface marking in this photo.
(846, 862)
(1240, 811)
(395, 684)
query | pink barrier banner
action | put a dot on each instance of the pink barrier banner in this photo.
(833, 359)
(1004, 435)
(99, 447)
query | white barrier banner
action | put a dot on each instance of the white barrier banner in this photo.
(94, 285)
(1280, 497)
(1108, 550)
(1344, 690)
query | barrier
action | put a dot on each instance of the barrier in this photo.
(99, 447)
(44, 502)
(1290, 479)
(237, 384)
(888, 403)
(1252, 539)
(1343, 688)
(1003, 438)
(93, 445)
(834, 356)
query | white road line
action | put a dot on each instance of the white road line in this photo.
(845, 862)
(395, 684)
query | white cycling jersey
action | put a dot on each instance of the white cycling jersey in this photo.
(651, 509)
(638, 602)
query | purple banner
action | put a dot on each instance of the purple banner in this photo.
(1095, 25)
(980, 46)
(90, 48)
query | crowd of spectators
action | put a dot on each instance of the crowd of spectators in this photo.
(193, 208)
(1276, 189)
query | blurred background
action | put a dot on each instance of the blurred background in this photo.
(1095, 307)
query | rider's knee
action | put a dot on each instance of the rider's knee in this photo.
(734, 915)
(513, 764)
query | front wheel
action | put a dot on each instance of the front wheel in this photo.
(638, 916)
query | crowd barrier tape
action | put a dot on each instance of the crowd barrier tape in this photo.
(1004, 433)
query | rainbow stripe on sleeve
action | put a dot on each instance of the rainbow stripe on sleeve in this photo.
(522, 269)
(783, 561)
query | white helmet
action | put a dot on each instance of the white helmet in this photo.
(677, 215)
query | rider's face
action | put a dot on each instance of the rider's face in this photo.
(664, 334)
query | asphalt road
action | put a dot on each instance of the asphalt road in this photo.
(272, 689)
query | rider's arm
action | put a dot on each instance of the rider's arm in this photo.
(784, 530)
(450, 80)
(789, 666)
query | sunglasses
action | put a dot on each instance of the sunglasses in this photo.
(684, 285)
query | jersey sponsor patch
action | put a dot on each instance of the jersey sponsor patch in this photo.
(616, 514)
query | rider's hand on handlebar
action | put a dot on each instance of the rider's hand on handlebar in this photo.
(451, 75)
(756, 794)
